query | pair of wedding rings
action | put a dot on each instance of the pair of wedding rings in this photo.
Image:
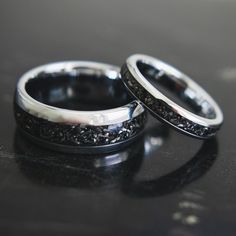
(81, 106)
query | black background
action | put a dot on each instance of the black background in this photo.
(44, 193)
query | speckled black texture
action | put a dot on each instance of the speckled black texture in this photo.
(78, 135)
(162, 110)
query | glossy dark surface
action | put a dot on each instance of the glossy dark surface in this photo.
(168, 184)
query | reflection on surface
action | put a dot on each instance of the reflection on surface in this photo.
(75, 170)
(112, 170)
(192, 170)
(81, 170)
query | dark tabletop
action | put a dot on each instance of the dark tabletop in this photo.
(169, 184)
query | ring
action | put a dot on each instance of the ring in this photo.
(77, 106)
(144, 75)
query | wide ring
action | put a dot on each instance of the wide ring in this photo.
(68, 129)
(137, 74)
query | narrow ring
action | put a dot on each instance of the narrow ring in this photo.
(73, 130)
(207, 118)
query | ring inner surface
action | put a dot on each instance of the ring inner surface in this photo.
(177, 90)
(85, 90)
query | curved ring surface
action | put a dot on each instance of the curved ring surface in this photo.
(142, 74)
(47, 110)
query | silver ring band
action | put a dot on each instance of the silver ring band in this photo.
(40, 90)
(207, 116)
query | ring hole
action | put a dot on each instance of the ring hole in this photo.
(176, 90)
(85, 90)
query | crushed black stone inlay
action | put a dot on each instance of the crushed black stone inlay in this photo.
(79, 134)
(162, 110)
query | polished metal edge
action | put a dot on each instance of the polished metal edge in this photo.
(78, 135)
(59, 115)
(165, 109)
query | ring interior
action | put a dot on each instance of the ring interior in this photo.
(87, 89)
(177, 90)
